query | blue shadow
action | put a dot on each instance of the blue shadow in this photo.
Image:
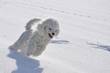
(59, 41)
(100, 46)
(25, 64)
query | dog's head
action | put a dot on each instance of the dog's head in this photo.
(49, 27)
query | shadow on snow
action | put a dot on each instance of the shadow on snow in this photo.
(59, 41)
(25, 64)
(100, 46)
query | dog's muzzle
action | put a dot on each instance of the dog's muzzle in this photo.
(51, 35)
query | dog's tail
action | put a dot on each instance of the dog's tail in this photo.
(31, 22)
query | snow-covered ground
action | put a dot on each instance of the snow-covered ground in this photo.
(82, 46)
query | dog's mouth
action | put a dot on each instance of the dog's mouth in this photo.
(50, 35)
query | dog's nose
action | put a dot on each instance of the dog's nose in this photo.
(53, 33)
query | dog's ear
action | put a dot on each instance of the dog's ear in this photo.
(41, 27)
(46, 23)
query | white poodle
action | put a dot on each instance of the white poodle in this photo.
(37, 35)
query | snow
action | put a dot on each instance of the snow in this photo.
(83, 45)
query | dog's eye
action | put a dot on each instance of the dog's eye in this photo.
(50, 29)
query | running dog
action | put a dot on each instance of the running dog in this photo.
(36, 37)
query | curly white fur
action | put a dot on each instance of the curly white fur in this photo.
(37, 35)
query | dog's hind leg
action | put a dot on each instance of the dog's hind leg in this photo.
(19, 44)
